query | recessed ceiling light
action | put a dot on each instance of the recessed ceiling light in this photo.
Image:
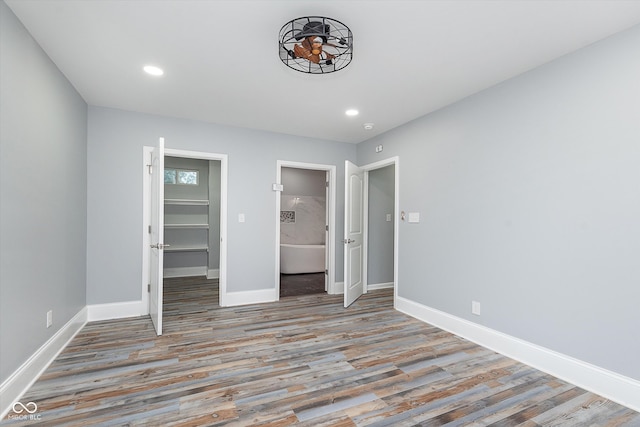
(352, 112)
(153, 70)
(368, 126)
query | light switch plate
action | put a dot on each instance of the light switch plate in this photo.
(414, 217)
(475, 308)
(241, 217)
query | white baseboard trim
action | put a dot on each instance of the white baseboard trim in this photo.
(613, 386)
(19, 382)
(376, 286)
(184, 271)
(213, 273)
(338, 288)
(249, 297)
(115, 310)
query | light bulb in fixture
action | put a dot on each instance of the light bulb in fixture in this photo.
(153, 70)
(352, 112)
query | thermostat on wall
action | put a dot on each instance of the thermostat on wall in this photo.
(278, 187)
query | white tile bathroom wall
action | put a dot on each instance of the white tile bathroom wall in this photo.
(309, 225)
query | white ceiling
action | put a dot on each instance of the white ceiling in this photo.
(222, 64)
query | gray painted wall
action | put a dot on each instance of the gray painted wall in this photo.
(380, 235)
(529, 195)
(43, 194)
(303, 182)
(114, 208)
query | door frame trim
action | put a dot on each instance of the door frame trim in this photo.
(331, 207)
(146, 194)
(396, 220)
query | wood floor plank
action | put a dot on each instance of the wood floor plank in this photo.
(303, 361)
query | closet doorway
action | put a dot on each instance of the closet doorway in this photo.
(191, 217)
(194, 224)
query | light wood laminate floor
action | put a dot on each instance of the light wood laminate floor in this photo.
(300, 361)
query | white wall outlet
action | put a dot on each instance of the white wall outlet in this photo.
(49, 318)
(475, 308)
(241, 217)
(388, 217)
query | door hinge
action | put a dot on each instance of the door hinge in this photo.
(326, 227)
(149, 287)
(326, 272)
(150, 167)
(149, 229)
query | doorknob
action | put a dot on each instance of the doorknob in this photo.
(347, 241)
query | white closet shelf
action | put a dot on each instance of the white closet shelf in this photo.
(191, 202)
(187, 248)
(186, 226)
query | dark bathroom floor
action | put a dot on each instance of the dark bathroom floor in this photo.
(301, 284)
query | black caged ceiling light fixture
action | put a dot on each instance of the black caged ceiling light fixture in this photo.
(316, 45)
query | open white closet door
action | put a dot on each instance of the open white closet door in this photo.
(354, 233)
(156, 251)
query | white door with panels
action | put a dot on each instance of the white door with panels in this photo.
(354, 233)
(156, 238)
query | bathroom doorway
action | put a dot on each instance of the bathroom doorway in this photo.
(305, 217)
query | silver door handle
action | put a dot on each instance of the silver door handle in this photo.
(347, 241)
(159, 246)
